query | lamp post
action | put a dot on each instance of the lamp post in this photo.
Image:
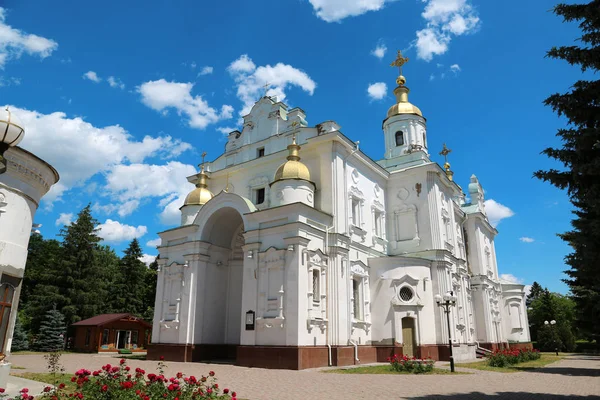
(552, 323)
(11, 133)
(447, 301)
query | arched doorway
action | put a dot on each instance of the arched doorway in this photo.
(222, 297)
(409, 343)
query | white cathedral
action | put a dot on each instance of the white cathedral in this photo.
(297, 250)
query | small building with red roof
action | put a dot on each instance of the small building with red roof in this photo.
(107, 333)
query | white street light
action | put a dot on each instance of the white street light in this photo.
(11, 133)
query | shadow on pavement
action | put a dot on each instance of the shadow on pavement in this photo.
(504, 396)
(569, 371)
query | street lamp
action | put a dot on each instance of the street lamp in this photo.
(447, 301)
(552, 323)
(11, 133)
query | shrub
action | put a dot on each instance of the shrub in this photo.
(119, 382)
(507, 357)
(411, 364)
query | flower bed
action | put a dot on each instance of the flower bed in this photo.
(411, 364)
(504, 358)
(119, 382)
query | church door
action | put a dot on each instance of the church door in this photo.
(408, 336)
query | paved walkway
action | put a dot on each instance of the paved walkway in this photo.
(576, 377)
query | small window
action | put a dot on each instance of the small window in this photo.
(378, 222)
(316, 286)
(105, 337)
(399, 138)
(88, 334)
(356, 297)
(260, 152)
(356, 212)
(260, 195)
(406, 294)
(134, 337)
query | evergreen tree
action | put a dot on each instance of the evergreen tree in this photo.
(52, 332)
(550, 306)
(81, 273)
(580, 155)
(150, 288)
(534, 293)
(20, 341)
(131, 285)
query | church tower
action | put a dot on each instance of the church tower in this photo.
(405, 128)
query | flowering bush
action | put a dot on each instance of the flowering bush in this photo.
(504, 358)
(119, 382)
(410, 364)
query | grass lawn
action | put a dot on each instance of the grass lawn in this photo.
(547, 358)
(49, 379)
(131, 356)
(385, 369)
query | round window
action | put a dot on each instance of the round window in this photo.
(406, 294)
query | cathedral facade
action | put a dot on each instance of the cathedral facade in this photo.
(297, 250)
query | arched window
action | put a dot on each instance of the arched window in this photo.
(399, 138)
(424, 139)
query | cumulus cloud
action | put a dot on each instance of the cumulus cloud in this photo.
(377, 91)
(166, 183)
(64, 219)
(92, 76)
(147, 259)
(379, 51)
(13, 42)
(337, 10)
(115, 82)
(511, 278)
(80, 150)
(455, 68)
(161, 96)
(153, 242)
(250, 80)
(526, 239)
(116, 232)
(496, 212)
(206, 71)
(445, 19)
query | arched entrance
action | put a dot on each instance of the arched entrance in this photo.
(223, 281)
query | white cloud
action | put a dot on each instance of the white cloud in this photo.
(167, 183)
(115, 232)
(445, 19)
(206, 71)
(115, 82)
(455, 68)
(527, 290)
(377, 91)
(225, 130)
(379, 51)
(79, 150)
(251, 80)
(161, 95)
(64, 219)
(92, 76)
(337, 10)
(153, 242)
(147, 259)
(496, 212)
(526, 239)
(511, 278)
(13, 42)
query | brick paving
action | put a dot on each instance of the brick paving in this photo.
(576, 377)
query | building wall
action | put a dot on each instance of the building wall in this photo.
(95, 343)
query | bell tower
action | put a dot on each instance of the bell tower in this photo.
(405, 128)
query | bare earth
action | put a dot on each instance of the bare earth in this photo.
(576, 377)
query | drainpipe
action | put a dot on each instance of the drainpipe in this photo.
(352, 342)
(327, 228)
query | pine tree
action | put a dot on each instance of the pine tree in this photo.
(535, 292)
(52, 332)
(20, 341)
(580, 155)
(131, 285)
(150, 287)
(81, 278)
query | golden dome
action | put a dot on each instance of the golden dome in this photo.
(403, 106)
(292, 168)
(201, 195)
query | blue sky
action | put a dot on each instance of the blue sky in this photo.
(122, 97)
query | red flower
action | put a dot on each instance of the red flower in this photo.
(161, 358)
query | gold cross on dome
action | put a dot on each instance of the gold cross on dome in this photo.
(399, 62)
(203, 155)
(445, 151)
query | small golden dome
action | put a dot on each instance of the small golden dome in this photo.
(201, 195)
(292, 168)
(403, 106)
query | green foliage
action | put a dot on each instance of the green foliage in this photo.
(535, 292)
(548, 306)
(52, 332)
(130, 284)
(20, 342)
(580, 156)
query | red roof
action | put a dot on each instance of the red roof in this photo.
(103, 319)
